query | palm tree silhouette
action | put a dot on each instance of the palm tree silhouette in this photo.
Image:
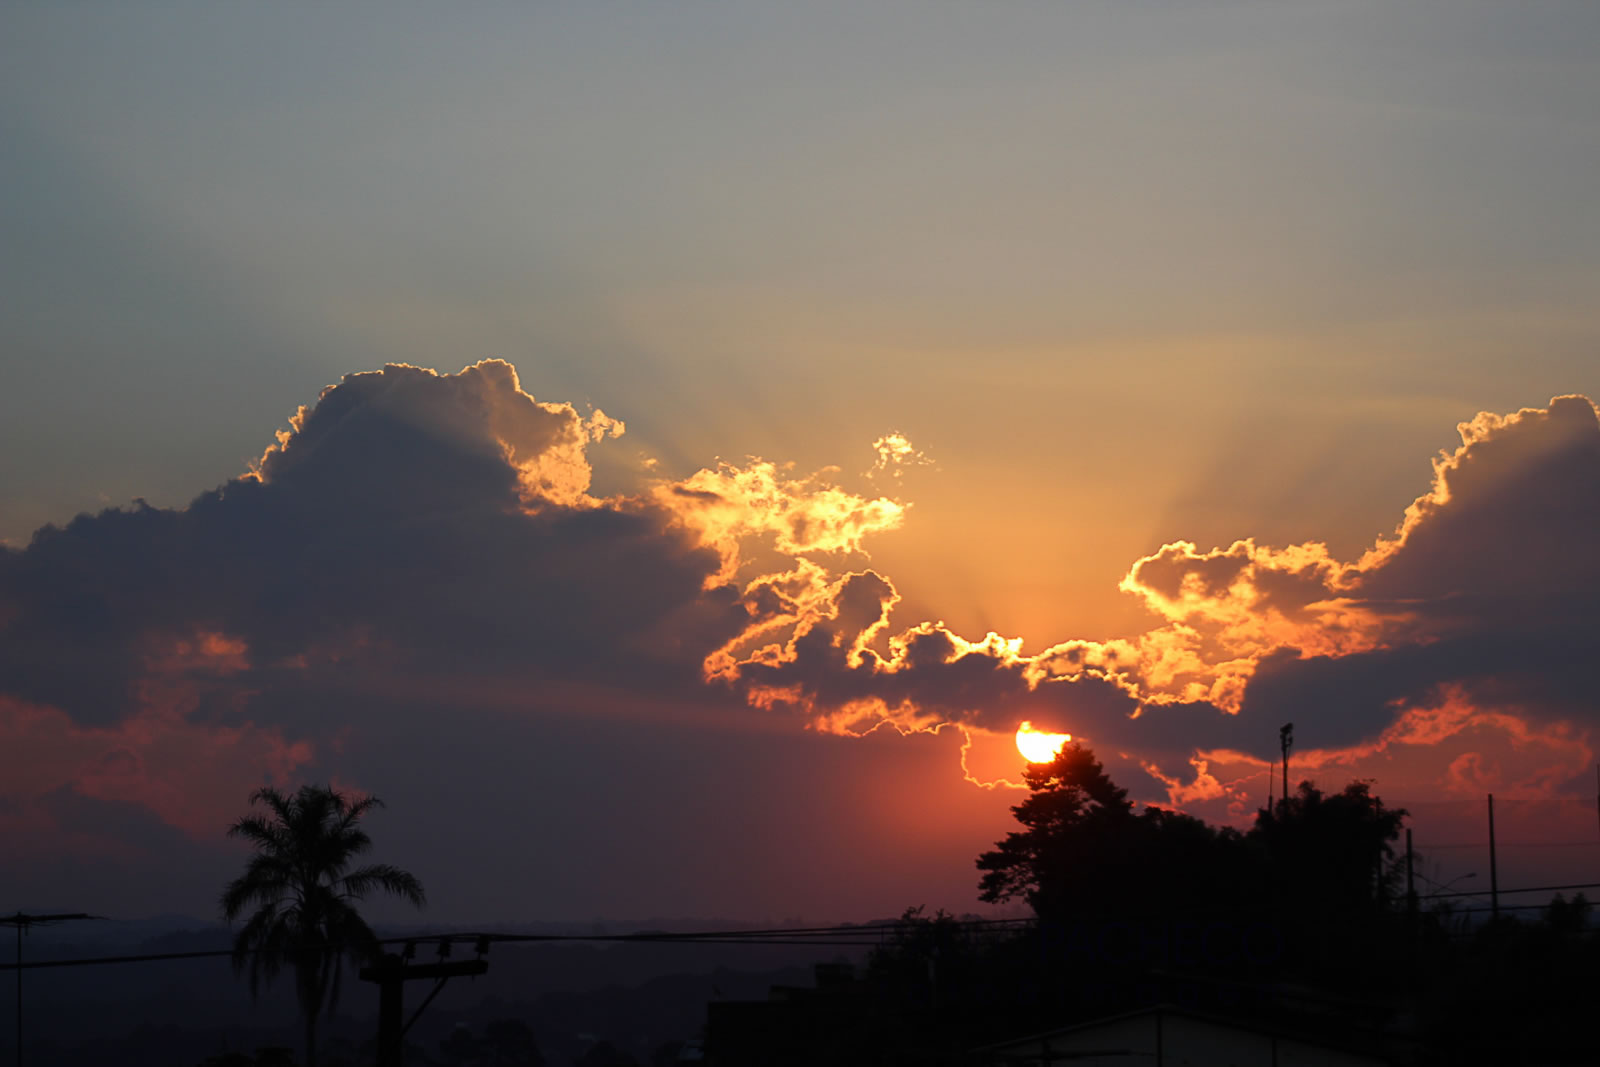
(304, 892)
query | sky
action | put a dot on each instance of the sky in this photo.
(664, 451)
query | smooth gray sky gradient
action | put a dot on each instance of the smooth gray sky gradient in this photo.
(1127, 272)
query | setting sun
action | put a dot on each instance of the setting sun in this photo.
(1039, 747)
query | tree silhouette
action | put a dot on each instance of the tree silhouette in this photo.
(512, 1044)
(1334, 852)
(303, 892)
(605, 1054)
(1567, 916)
(264, 1057)
(1075, 820)
(1328, 870)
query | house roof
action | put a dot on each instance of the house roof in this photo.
(1175, 1010)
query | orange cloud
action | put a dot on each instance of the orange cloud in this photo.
(1484, 594)
(896, 455)
(730, 506)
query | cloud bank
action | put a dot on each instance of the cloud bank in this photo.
(1481, 601)
(414, 543)
(422, 551)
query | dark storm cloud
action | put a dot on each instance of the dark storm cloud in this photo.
(414, 588)
(1541, 674)
(412, 524)
(1510, 527)
(1491, 584)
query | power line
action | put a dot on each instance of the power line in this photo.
(861, 936)
(1503, 907)
(1528, 889)
(1518, 844)
(845, 936)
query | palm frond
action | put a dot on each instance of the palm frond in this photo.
(357, 809)
(259, 831)
(266, 881)
(385, 877)
(278, 803)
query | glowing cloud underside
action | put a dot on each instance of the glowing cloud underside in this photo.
(1484, 590)
(1037, 746)
(416, 532)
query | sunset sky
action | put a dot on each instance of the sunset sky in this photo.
(760, 376)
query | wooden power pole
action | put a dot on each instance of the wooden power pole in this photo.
(1411, 886)
(23, 922)
(391, 973)
(1494, 876)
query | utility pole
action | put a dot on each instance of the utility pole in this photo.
(1286, 742)
(391, 972)
(1494, 879)
(21, 921)
(1411, 886)
(1411, 899)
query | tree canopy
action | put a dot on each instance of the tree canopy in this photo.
(1084, 851)
(1332, 851)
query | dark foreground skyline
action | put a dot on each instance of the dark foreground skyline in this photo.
(1308, 936)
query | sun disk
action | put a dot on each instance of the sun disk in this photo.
(1037, 746)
